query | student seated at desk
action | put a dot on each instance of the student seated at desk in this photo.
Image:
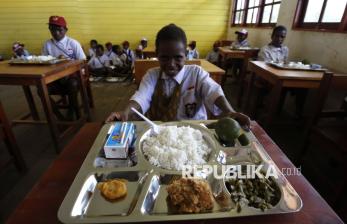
(175, 91)
(213, 55)
(62, 46)
(19, 51)
(92, 49)
(241, 39)
(99, 64)
(277, 52)
(192, 52)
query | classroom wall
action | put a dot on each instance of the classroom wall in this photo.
(328, 49)
(111, 20)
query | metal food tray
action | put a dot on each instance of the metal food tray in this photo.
(286, 67)
(28, 62)
(146, 197)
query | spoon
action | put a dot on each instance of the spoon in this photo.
(154, 128)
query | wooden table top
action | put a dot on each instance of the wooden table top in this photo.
(286, 74)
(32, 71)
(238, 53)
(42, 203)
(211, 68)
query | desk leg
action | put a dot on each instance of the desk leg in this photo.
(275, 99)
(84, 95)
(31, 102)
(47, 106)
(249, 92)
(243, 74)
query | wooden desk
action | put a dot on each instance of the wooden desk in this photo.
(42, 203)
(226, 53)
(141, 67)
(41, 76)
(280, 78)
(149, 52)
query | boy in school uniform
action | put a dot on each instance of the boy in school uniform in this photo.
(119, 60)
(192, 52)
(236, 63)
(108, 49)
(62, 46)
(99, 64)
(140, 48)
(19, 51)
(277, 52)
(92, 49)
(213, 55)
(241, 39)
(175, 91)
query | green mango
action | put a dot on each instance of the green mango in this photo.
(227, 129)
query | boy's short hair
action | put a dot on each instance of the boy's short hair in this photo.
(115, 48)
(100, 46)
(278, 29)
(94, 41)
(171, 32)
(108, 44)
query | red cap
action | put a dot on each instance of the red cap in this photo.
(57, 20)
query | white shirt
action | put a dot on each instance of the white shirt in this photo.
(212, 56)
(192, 54)
(99, 62)
(237, 44)
(197, 88)
(270, 53)
(91, 52)
(118, 60)
(67, 47)
(130, 54)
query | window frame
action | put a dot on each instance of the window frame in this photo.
(258, 22)
(299, 24)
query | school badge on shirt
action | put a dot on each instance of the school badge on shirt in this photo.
(190, 109)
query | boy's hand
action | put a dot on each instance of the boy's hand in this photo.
(117, 116)
(243, 119)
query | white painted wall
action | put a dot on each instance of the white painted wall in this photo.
(328, 49)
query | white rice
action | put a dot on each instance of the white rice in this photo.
(175, 147)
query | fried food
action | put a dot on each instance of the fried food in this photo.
(190, 195)
(113, 189)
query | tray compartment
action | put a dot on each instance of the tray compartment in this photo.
(156, 199)
(90, 202)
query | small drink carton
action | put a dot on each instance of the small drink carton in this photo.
(120, 137)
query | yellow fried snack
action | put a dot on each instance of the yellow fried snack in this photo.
(113, 189)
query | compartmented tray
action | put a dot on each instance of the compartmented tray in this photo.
(147, 197)
(293, 67)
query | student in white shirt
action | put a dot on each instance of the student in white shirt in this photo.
(62, 46)
(241, 39)
(99, 64)
(192, 51)
(213, 55)
(140, 48)
(176, 91)
(19, 51)
(277, 52)
(92, 49)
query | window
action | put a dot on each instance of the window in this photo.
(255, 12)
(321, 15)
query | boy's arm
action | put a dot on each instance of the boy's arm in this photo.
(227, 111)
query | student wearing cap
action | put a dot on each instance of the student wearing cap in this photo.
(19, 50)
(241, 39)
(213, 55)
(62, 46)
